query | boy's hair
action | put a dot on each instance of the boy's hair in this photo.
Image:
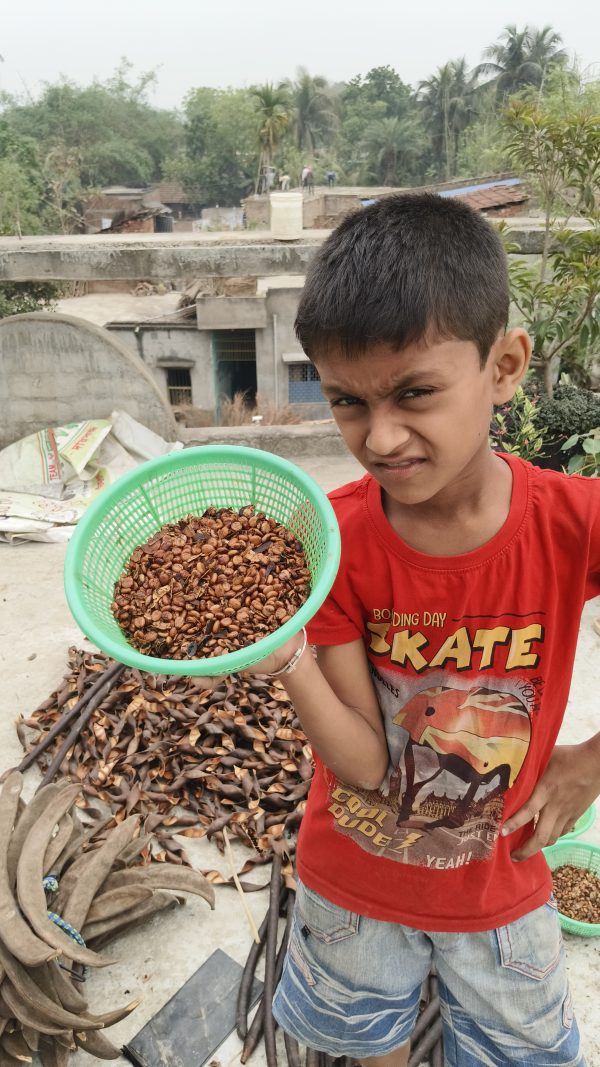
(408, 267)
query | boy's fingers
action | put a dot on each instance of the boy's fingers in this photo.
(526, 814)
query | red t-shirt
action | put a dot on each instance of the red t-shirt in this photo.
(471, 658)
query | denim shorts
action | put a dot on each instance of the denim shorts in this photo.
(351, 987)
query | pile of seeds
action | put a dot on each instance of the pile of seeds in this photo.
(189, 760)
(65, 892)
(209, 585)
(577, 892)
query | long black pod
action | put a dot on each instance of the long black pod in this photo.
(271, 962)
(86, 714)
(243, 997)
(425, 1045)
(111, 674)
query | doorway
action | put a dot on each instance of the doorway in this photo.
(234, 361)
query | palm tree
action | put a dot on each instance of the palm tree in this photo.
(394, 144)
(315, 118)
(521, 57)
(447, 102)
(274, 110)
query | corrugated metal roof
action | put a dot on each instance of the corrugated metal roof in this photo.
(478, 187)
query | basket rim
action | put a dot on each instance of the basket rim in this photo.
(235, 455)
(563, 848)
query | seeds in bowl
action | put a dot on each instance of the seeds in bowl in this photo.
(211, 584)
(577, 893)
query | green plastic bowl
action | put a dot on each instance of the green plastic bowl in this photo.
(582, 825)
(578, 854)
(184, 483)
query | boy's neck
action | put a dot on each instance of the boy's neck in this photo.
(460, 519)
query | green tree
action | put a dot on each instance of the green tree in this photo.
(314, 117)
(383, 85)
(363, 103)
(18, 298)
(219, 158)
(274, 112)
(448, 105)
(118, 135)
(481, 148)
(20, 198)
(521, 57)
(393, 144)
(556, 144)
(61, 173)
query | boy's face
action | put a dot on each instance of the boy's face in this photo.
(418, 419)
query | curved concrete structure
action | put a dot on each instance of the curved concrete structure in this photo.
(56, 369)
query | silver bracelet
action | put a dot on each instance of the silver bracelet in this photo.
(291, 665)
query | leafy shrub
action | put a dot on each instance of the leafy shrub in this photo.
(570, 411)
(586, 462)
(18, 298)
(516, 429)
(549, 431)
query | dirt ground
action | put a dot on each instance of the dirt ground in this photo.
(36, 630)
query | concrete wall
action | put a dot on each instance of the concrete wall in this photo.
(231, 313)
(56, 369)
(161, 346)
(272, 343)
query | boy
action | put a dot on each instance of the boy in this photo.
(444, 656)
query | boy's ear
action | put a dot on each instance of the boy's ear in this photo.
(510, 357)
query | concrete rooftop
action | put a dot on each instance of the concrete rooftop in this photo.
(175, 255)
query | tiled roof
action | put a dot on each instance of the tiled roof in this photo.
(499, 196)
(172, 193)
(491, 194)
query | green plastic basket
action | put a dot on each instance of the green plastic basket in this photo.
(578, 854)
(184, 483)
(583, 824)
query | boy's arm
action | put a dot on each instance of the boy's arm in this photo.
(335, 701)
(570, 783)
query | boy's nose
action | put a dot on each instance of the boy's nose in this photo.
(386, 436)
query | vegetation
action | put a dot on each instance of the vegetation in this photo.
(18, 298)
(374, 129)
(561, 432)
(555, 142)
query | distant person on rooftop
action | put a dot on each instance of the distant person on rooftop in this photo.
(331, 177)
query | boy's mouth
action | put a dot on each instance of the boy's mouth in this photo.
(400, 469)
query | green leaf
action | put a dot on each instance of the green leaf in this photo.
(591, 445)
(570, 443)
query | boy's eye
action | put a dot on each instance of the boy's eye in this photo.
(414, 394)
(344, 401)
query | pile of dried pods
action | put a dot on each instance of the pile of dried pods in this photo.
(209, 585)
(577, 893)
(189, 760)
(65, 892)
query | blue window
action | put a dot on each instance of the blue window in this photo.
(304, 384)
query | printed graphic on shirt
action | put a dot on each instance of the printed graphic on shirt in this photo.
(454, 752)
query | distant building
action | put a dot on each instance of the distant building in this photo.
(134, 208)
(500, 195)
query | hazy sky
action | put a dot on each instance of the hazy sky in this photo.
(235, 42)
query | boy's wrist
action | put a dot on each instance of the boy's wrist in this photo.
(292, 661)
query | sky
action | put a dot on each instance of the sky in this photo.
(224, 43)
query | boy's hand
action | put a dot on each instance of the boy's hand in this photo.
(274, 662)
(570, 783)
